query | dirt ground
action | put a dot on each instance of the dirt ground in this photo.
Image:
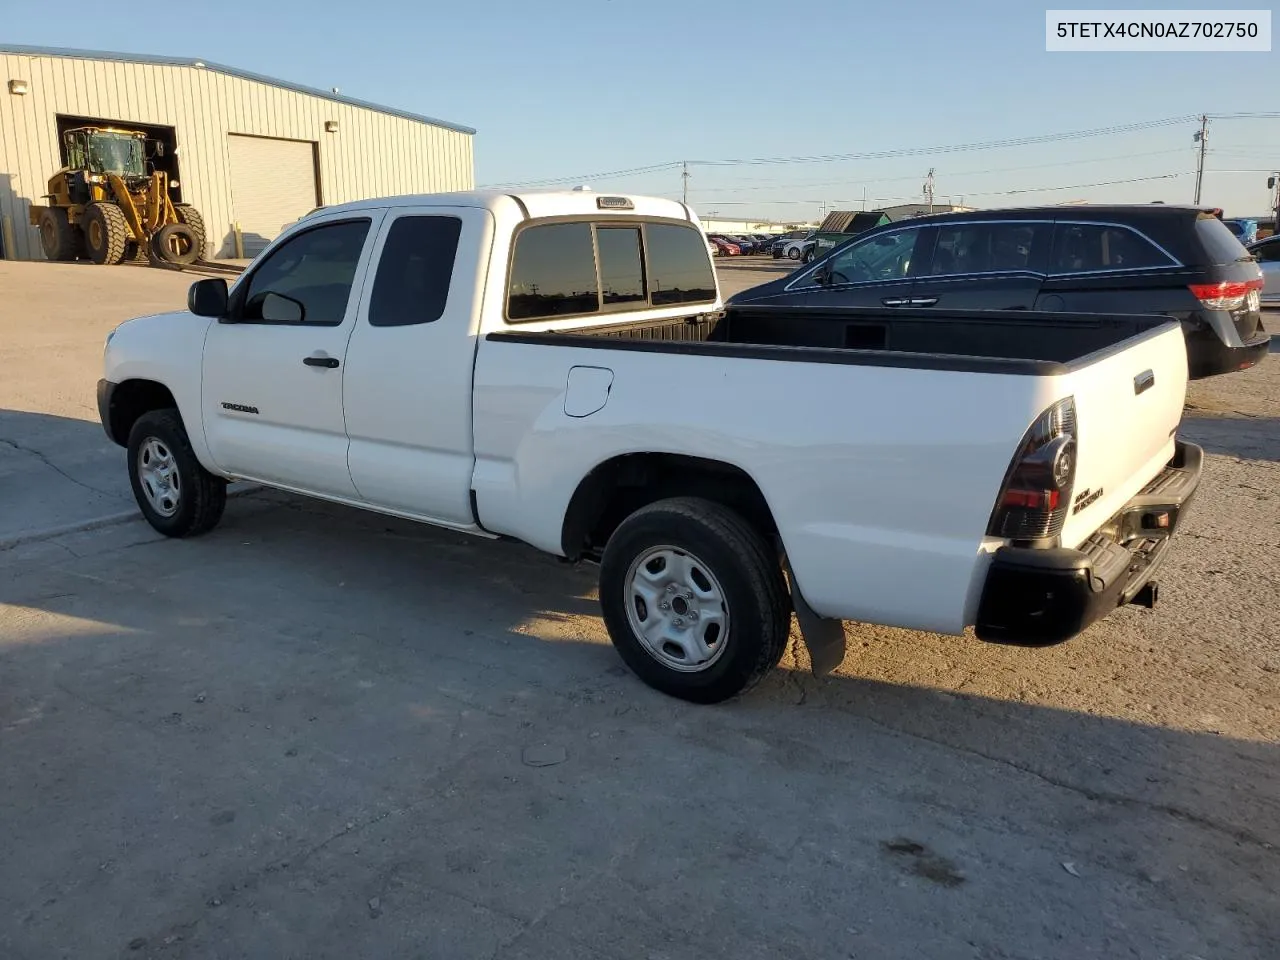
(321, 733)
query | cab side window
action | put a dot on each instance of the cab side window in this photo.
(414, 271)
(308, 278)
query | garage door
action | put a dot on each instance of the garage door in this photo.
(273, 183)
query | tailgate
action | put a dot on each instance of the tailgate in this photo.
(1128, 406)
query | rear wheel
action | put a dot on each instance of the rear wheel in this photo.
(105, 232)
(59, 239)
(808, 256)
(178, 496)
(694, 599)
(190, 216)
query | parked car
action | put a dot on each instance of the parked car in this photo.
(713, 248)
(800, 248)
(779, 246)
(745, 244)
(1137, 259)
(462, 365)
(1245, 230)
(1267, 253)
(727, 247)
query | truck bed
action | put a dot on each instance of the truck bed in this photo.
(1021, 342)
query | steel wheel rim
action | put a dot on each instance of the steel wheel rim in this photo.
(677, 609)
(158, 477)
(95, 234)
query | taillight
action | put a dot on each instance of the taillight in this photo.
(1228, 295)
(1036, 493)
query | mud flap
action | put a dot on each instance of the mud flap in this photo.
(823, 637)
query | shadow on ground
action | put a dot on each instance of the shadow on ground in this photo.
(320, 733)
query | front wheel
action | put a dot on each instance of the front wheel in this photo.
(694, 599)
(178, 496)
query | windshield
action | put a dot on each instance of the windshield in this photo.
(115, 154)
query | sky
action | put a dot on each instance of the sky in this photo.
(577, 90)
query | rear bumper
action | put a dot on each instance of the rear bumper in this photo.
(1209, 356)
(1040, 597)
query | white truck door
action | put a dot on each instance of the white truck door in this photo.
(407, 384)
(272, 374)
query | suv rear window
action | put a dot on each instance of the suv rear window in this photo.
(1088, 247)
(1219, 243)
(560, 269)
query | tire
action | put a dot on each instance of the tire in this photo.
(178, 496)
(793, 253)
(58, 238)
(808, 256)
(175, 243)
(730, 586)
(190, 216)
(106, 232)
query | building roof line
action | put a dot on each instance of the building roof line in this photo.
(23, 50)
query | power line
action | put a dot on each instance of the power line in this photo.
(775, 183)
(994, 193)
(870, 155)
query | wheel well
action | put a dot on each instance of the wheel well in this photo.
(130, 400)
(617, 488)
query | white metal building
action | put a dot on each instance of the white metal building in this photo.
(244, 149)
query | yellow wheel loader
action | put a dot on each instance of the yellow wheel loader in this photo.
(105, 206)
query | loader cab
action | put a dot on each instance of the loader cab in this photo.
(100, 152)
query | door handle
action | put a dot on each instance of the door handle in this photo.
(329, 363)
(895, 301)
(923, 301)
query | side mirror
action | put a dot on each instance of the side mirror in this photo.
(822, 276)
(277, 308)
(208, 298)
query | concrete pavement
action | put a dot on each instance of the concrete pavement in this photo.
(321, 733)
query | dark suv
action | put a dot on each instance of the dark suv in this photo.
(1156, 259)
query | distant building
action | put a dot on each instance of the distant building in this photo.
(716, 225)
(242, 148)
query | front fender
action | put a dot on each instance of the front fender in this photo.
(167, 349)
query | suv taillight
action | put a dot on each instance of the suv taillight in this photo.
(1228, 295)
(1036, 493)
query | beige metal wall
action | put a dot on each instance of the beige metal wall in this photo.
(371, 154)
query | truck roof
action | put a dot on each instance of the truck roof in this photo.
(532, 203)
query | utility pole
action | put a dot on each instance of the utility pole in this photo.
(684, 176)
(864, 198)
(1273, 184)
(928, 189)
(1201, 137)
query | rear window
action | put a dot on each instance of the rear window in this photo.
(1089, 247)
(553, 272)
(679, 268)
(1219, 243)
(569, 269)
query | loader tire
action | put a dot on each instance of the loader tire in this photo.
(106, 232)
(58, 237)
(190, 216)
(175, 243)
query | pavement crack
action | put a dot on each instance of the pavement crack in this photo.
(53, 466)
(1238, 834)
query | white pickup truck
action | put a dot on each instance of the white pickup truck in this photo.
(558, 368)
